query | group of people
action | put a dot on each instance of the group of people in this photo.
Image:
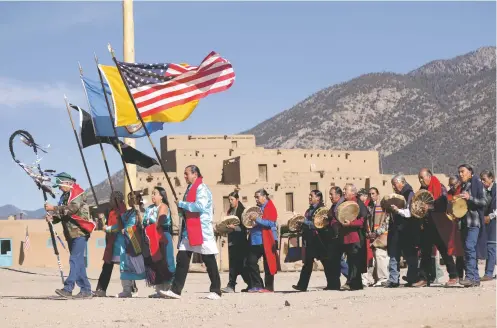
(377, 239)
(140, 239)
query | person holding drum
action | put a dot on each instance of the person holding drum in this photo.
(237, 244)
(263, 243)
(403, 235)
(315, 243)
(337, 260)
(378, 237)
(455, 190)
(472, 224)
(487, 178)
(435, 223)
(351, 220)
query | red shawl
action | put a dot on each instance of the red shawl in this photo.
(447, 229)
(155, 235)
(193, 224)
(435, 187)
(270, 214)
(112, 220)
(86, 225)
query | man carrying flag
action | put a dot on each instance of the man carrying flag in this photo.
(73, 212)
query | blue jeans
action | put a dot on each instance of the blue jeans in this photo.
(394, 269)
(490, 264)
(344, 267)
(77, 272)
(470, 239)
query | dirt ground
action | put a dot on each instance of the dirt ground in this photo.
(27, 300)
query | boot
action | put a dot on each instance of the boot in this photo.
(127, 289)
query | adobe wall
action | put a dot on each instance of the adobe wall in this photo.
(40, 253)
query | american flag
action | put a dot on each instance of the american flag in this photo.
(26, 241)
(156, 87)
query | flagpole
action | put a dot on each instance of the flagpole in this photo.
(111, 117)
(143, 124)
(81, 151)
(129, 56)
(95, 130)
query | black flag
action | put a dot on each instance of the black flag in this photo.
(88, 138)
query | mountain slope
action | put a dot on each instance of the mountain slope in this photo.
(442, 113)
(7, 210)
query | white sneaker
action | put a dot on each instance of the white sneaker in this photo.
(379, 283)
(213, 296)
(170, 294)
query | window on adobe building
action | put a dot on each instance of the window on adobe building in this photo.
(6, 246)
(244, 199)
(234, 144)
(262, 172)
(226, 204)
(289, 201)
(314, 186)
(159, 184)
(368, 183)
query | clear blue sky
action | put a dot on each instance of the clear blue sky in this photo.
(281, 53)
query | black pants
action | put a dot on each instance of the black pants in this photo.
(430, 237)
(354, 258)
(306, 272)
(105, 275)
(252, 269)
(183, 260)
(315, 248)
(335, 258)
(104, 279)
(237, 258)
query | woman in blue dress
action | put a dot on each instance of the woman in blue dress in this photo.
(128, 246)
(158, 226)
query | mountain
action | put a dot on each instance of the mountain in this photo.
(7, 210)
(438, 115)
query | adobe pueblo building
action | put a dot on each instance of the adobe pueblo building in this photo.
(230, 163)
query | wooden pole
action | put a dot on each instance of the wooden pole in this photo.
(129, 56)
(81, 151)
(95, 131)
